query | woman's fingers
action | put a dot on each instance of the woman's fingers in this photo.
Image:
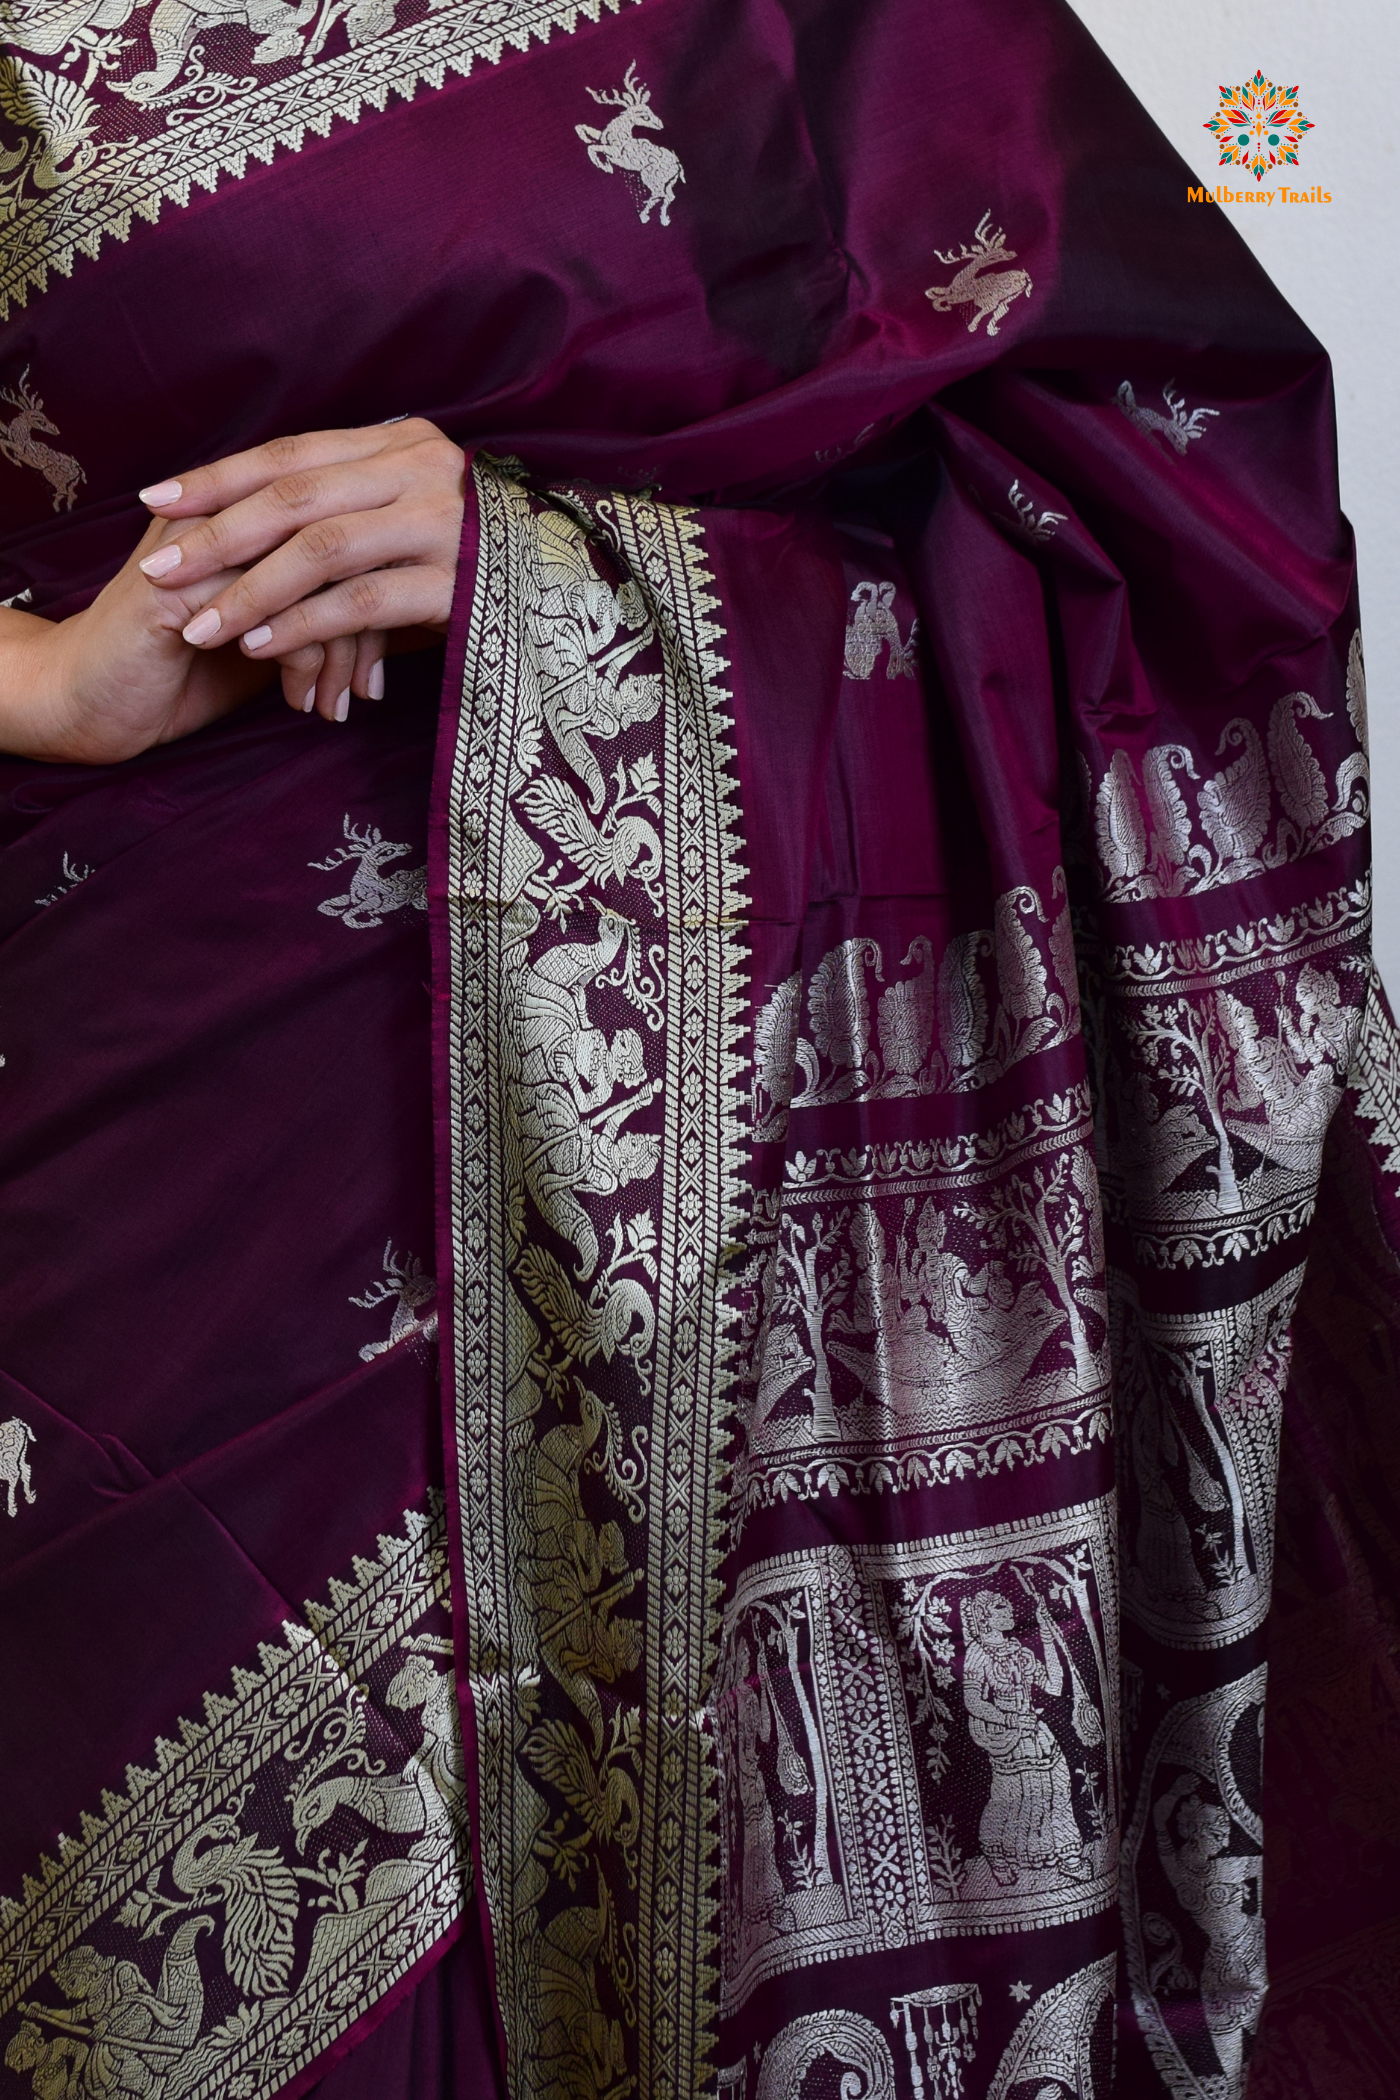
(368, 680)
(415, 596)
(333, 685)
(332, 551)
(252, 527)
(301, 668)
(226, 481)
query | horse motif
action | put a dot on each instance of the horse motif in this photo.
(19, 444)
(991, 296)
(15, 1439)
(655, 168)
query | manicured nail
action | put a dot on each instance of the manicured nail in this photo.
(342, 706)
(374, 684)
(161, 562)
(204, 626)
(161, 492)
(309, 702)
(257, 637)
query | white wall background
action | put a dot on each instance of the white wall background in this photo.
(1337, 264)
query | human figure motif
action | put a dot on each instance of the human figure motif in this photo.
(578, 664)
(570, 1126)
(118, 2035)
(762, 1884)
(1028, 1821)
(1219, 1889)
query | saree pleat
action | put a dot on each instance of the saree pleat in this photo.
(725, 1541)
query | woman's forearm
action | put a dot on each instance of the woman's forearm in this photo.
(31, 680)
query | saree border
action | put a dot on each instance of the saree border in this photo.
(111, 182)
(677, 1498)
(197, 1788)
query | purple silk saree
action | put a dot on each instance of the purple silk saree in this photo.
(724, 1542)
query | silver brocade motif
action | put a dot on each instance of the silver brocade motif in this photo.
(918, 1312)
(111, 111)
(1167, 831)
(918, 1742)
(282, 1865)
(1192, 1912)
(598, 959)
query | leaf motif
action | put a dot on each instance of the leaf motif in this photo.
(839, 1004)
(1235, 802)
(775, 1041)
(1020, 971)
(1063, 956)
(1122, 837)
(1171, 825)
(1356, 691)
(1301, 783)
(962, 1002)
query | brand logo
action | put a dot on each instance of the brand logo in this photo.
(1258, 126)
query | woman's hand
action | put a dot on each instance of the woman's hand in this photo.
(338, 537)
(113, 680)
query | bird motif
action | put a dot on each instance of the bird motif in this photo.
(258, 1892)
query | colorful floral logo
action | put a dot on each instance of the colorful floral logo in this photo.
(1258, 126)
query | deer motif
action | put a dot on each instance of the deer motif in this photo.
(19, 444)
(405, 1280)
(372, 895)
(655, 169)
(1178, 429)
(1041, 529)
(991, 296)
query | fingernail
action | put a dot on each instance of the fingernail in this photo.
(161, 562)
(257, 637)
(161, 492)
(342, 706)
(204, 626)
(309, 702)
(374, 684)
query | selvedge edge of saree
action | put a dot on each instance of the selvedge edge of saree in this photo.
(96, 151)
(593, 1392)
(219, 1837)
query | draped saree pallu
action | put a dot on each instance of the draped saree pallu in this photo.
(915, 1131)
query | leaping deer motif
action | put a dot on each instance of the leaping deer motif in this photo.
(655, 169)
(406, 1281)
(372, 895)
(19, 444)
(991, 296)
(1178, 429)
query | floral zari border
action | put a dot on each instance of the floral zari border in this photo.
(281, 1866)
(598, 977)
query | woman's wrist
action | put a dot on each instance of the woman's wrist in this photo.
(35, 685)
